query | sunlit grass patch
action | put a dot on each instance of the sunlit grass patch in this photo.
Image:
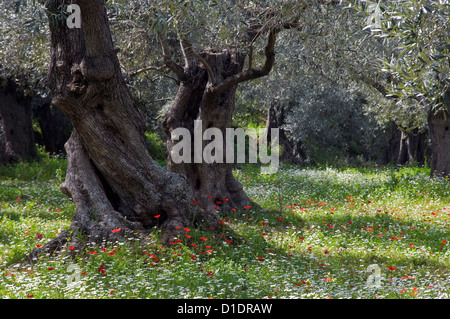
(318, 232)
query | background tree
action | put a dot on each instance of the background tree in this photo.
(23, 68)
(16, 130)
(419, 70)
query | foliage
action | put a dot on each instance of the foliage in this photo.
(25, 51)
(419, 68)
(156, 147)
(332, 125)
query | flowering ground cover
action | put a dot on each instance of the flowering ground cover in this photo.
(321, 233)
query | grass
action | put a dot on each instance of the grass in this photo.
(326, 226)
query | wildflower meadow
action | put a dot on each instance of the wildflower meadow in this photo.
(318, 233)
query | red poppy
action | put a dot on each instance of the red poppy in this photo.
(157, 216)
(195, 202)
(71, 247)
(391, 267)
(116, 230)
(38, 245)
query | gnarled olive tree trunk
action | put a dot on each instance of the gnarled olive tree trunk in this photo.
(213, 184)
(113, 181)
(206, 93)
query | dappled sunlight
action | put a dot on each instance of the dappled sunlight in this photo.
(318, 232)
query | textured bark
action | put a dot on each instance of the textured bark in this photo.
(16, 130)
(213, 185)
(439, 124)
(207, 87)
(112, 179)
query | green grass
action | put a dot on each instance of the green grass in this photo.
(324, 229)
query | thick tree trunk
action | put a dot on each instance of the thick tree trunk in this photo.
(213, 184)
(55, 127)
(16, 130)
(439, 124)
(207, 87)
(115, 184)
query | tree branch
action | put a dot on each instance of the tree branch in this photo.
(191, 51)
(174, 67)
(148, 68)
(251, 74)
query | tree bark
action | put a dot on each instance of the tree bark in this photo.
(439, 125)
(55, 126)
(16, 129)
(213, 184)
(113, 181)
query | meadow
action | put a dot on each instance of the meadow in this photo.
(328, 232)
